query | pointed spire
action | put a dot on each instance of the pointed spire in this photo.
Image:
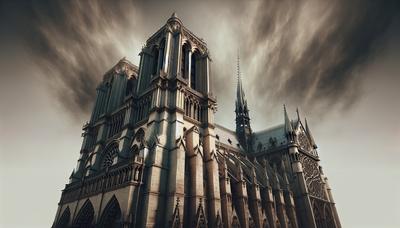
(297, 124)
(312, 141)
(288, 124)
(174, 15)
(72, 174)
(298, 114)
(240, 97)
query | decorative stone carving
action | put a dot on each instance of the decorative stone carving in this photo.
(312, 176)
(304, 142)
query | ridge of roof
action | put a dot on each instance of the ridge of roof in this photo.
(225, 128)
(270, 129)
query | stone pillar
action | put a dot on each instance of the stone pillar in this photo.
(255, 200)
(241, 198)
(226, 194)
(211, 166)
(152, 212)
(332, 204)
(153, 199)
(305, 212)
(208, 77)
(167, 49)
(189, 66)
(280, 202)
(195, 163)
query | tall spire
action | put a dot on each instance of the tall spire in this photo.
(240, 96)
(243, 129)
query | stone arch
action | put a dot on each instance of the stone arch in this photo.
(140, 136)
(130, 85)
(235, 222)
(112, 215)
(85, 216)
(64, 219)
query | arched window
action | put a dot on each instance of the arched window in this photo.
(140, 136)
(193, 83)
(185, 60)
(111, 217)
(155, 60)
(85, 216)
(64, 219)
(110, 156)
(129, 87)
(161, 53)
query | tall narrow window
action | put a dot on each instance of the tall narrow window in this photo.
(193, 71)
(161, 54)
(185, 61)
(155, 60)
(129, 87)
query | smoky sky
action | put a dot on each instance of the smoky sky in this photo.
(306, 53)
(311, 50)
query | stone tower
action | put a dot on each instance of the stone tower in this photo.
(152, 155)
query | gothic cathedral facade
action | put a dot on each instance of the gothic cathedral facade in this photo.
(152, 155)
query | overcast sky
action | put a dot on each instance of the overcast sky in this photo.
(338, 62)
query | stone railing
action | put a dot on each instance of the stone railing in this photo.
(114, 177)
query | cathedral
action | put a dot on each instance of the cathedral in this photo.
(152, 155)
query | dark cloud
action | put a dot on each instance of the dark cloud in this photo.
(309, 52)
(74, 43)
(305, 53)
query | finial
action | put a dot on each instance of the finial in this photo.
(174, 15)
(298, 114)
(288, 124)
(310, 135)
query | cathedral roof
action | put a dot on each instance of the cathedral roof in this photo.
(227, 137)
(270, 138)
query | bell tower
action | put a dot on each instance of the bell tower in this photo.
(175, 74)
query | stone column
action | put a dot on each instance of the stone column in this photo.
(306, 213)
(226, 195)
(255, 200)
(167, 49)
(189, 66)
(241, 198)
(211, 166)
(195, 162)
(332, 204)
